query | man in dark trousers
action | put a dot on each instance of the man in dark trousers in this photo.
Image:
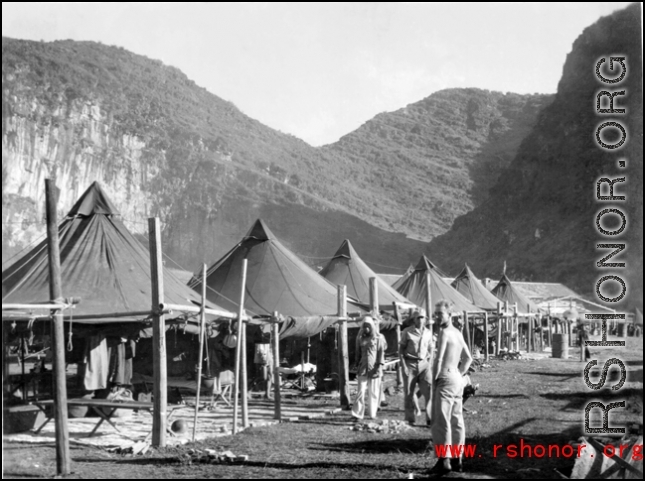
(416, 350)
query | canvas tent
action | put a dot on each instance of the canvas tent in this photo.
(505, 291)
(413, 287)
(277, 280)
(347, 268)
(411, 269)
(472, 289)
(102, 263)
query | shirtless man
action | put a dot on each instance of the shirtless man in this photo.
(451, 363)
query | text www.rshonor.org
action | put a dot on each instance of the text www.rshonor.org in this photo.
(526, 450)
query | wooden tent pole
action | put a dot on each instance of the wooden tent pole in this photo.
(499, 328)
(56, 294)
(486, 336)
(467, 328)
(244, 377)
(160, 387)
(374, 296)
(343, 348)
(428, 297)
(238, 350)
(399, 372)
(276, 367)
(472, 333)
(202, 322)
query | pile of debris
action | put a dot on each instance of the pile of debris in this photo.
(140, 447)
(385, 426)
(210, 456)
(506, 355)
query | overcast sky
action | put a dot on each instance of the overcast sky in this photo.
(319, 71)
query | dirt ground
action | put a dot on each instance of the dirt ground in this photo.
(534, 401)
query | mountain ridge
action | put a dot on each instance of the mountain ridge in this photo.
(163, 146)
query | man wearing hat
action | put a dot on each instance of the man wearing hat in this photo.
(416, 351)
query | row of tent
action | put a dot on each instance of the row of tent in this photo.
(105, 265)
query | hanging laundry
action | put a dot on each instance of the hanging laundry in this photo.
(122, 352)
(97, 363)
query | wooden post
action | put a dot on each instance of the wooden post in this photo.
(58, 331)
(467, 328)
(499, 328)
(160, 386)
(515, 331)
(582, 343)
(244, 381)
(486, 336)
(302, 370)
(472, 333)
(236, 386)
(530, 338)
(276, 367)
(374, 296)
(239, 350)
(399, 370)
(202, 322)
(429, 309)
(343, 349)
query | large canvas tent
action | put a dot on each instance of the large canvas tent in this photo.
(414, 287)
(472, 289)
(102, 263)
(347, 268)
(505, 291)
(277, 280)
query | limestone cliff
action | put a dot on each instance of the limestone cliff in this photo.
(541, 215)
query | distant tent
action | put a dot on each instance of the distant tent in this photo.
(102, 263)
(347, 268)
(505, 291)
(412, 268)
(472, 289)
(414, 288)
(277, 280)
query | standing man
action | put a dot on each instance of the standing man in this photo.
(370, 357)
(448, 427)
(416, 350)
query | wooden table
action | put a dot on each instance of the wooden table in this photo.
(97, 404)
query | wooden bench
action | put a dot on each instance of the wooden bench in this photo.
(97, 406)
(224, 394)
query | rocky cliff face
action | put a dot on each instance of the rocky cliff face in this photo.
(540, 217)
(162, 146)
(74, 144)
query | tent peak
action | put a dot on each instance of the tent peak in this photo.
(346, 249)
(260, 231)
(426, 264)
(93, 201)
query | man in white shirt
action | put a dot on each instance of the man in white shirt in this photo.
(416, 351)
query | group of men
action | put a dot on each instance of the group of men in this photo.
(436, 365)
